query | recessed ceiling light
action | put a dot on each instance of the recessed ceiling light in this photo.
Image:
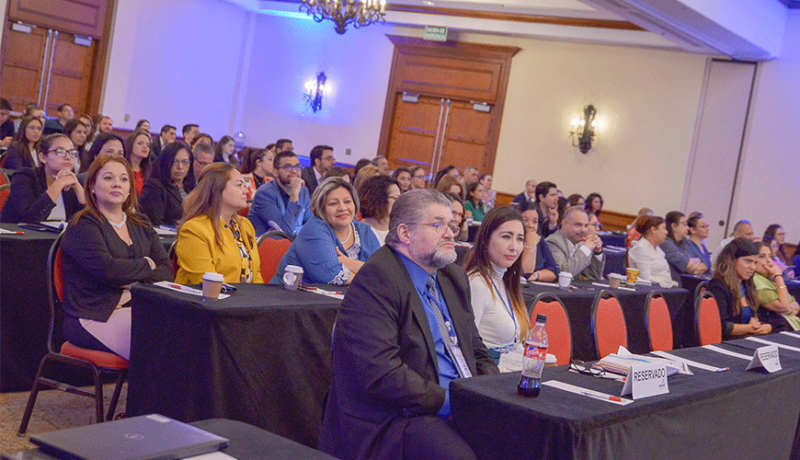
(428, 2)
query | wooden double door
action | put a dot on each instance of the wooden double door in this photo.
(435, 132)
(54, 52)
(47, 67)
(444, 105)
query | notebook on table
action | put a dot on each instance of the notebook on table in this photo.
(147, 437)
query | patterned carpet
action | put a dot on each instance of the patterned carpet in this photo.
(54, 410)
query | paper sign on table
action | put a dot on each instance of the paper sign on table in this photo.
(766, 357)
(645, 380)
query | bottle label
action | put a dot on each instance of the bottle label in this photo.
(534, 352)
(533, 361)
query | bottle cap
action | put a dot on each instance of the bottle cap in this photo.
(541, 318)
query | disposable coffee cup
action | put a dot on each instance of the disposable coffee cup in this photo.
(614, 280)
(212, 285)
(564, 280)
(292, 277)
(633, 274)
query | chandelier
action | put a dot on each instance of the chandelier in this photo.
(346, 12)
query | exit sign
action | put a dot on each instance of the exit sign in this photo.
(437, 34)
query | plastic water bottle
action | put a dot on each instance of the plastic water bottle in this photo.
(536, 344)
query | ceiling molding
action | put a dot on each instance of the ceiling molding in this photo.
(526, 18)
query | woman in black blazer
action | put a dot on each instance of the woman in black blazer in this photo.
(163, 194)
(106, 248)
(49, 192)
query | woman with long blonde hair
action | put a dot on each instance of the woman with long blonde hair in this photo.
(213, 237)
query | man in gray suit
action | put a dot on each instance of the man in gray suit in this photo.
(574, 250)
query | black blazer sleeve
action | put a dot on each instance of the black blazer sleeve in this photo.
(162, 205)
(98, 264)
(15, 159)
(725, 303)
(27, 200)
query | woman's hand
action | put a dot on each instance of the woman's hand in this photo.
(763, 329)
(150, 262)
(794, 308)
(63, 181)
(467, 214)
(772, 269)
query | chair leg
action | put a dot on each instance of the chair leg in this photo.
(115, 398)
(26, 418)
(98, 395)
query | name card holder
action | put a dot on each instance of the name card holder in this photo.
(645, 380)
(766, 357)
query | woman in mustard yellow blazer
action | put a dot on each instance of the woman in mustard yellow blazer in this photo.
(213, 237)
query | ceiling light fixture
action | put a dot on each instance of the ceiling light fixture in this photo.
(346, 12)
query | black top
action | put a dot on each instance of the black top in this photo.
(16, 158)
(52, 126)
(162, 204)
(307, 174)
(7, 129)
(28, 202)
(97, 264)
(724, 299)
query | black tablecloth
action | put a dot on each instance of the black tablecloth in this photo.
(261, 356)
(23, 306)
(615, 261)
(24, 315)
(579, 308)
(250, 443)
(736, 414)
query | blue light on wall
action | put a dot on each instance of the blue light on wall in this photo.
(314, 91)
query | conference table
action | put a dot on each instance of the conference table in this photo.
(579, 300)
(261, 356)
(24, 314)
(709, 415)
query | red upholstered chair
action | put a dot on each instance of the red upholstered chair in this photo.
(608, 324)
(708, 324)
(558, 328)
(96, 362)
(4, 178)
(5, 190)
(271, 247)
(700, 288)
(659, 325)
(244, 212)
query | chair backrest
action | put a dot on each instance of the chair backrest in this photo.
(608, 324)
(55, 287)
(559, 332)
(700, 289)
(5, 190)
(659, 325)
(244, 212)
(707, 322)
(271, 247)
(173, 257)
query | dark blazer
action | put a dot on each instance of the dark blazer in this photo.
(724, 299)
(519, 199)
(384, 364)
(307, 174)
(155, 146)
(162, 204)
(97, 264)
(17, 159)
(52, 126)
(28, 202)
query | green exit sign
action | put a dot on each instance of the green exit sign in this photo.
(437, 34)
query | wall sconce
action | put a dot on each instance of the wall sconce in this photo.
(582, 129)
(314, 91)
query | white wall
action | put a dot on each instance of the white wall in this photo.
(175, 62)
(769, 188)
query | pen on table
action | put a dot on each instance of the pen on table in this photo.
(601, 397)
(722, 369)
(13, 233)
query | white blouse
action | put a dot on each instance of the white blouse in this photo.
(651, 263)
(494, 316)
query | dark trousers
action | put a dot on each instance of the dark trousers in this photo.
(432, 437)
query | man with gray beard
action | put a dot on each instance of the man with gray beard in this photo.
(404, 332)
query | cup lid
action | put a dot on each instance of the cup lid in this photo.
(211, 276)
(616, 276)
(294, 269)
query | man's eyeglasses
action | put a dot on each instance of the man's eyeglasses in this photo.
(582, 368)
(290, 168)
(63, 153)
(182, 162)
(442, 227)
